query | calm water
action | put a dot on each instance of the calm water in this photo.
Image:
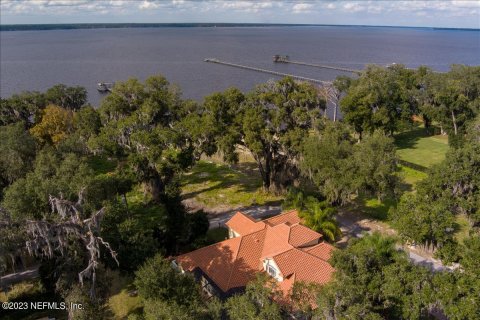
(37, 60)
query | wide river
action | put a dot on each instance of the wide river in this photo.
(37, 60)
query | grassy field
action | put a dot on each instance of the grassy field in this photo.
(410, 177)
(213, 184)
(374, 208)
(121, 303)
(418, 147)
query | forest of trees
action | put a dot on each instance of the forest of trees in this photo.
(66, 168)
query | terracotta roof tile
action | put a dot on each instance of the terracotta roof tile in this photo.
(322, 250)
(305, 266)
(217, 260)
(243, 224)
(248, 259)
(276, 240)
(234, 262)
(301, 235)
(289, 217)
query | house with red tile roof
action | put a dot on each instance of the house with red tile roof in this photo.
(280, 246)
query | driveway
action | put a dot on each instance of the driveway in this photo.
(257, 212)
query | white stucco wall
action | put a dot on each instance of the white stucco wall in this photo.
(270, 262)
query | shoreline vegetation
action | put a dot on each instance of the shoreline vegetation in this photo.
(75, 26)
(106, 187)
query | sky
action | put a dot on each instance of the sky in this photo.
(431, 13)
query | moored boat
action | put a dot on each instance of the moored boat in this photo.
(105, 86)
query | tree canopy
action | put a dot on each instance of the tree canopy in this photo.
(375, 281)
(169, 294)
(142, 122)
(270, 122)
(339, 167)
(380, 99)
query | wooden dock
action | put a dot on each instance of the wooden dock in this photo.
(323, 66)
(281, 74)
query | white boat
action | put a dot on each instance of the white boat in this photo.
(105, 86)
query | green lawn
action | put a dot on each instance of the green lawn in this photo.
(410, 177)
(213, 184)
(121, 303)
(373, 208)
(376, 209)
(418, 147)
(145, 213)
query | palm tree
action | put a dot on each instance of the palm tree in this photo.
(320, 217)
(316, 215)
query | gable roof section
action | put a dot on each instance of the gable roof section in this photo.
(216, 260)
(289, 217)
(304, 266)
(301, 235)
(322, 250)
(276, 240)
(248, 260)
(243, 224)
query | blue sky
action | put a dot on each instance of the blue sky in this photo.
(431, 13)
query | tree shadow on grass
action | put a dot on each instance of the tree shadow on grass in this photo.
(219, 177)
(376, 209)
(408, 139)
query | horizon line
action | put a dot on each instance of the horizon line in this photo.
(82, 25)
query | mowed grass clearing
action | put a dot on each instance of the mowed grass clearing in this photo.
(410, 176)
(121, 303)
(418, 147)
(213, 184)
(376, 209)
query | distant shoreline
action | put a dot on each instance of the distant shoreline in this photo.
(75, 26)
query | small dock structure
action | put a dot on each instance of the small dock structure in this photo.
(281, 74)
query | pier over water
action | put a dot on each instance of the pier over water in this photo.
(285, 59)
(281, 74)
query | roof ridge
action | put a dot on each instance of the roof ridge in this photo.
(247, 216)
(236, 255)
(307, 252)
(281, 214)
(234, 262)
(210, 245)
(318, 244)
